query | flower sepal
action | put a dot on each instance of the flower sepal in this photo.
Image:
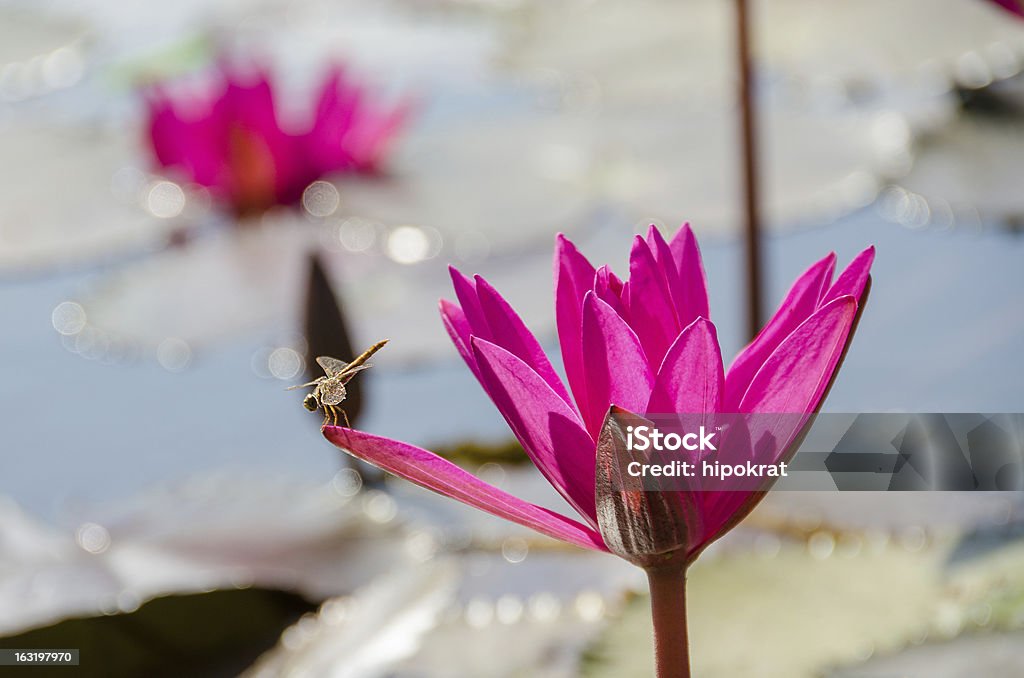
(640, 521)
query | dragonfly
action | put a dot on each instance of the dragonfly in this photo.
(329, 390)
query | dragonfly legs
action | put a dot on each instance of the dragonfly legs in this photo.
(331, 416)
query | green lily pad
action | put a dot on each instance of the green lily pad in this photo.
(216, 633)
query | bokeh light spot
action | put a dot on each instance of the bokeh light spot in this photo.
(68, 318)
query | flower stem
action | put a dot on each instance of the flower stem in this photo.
(668, 609)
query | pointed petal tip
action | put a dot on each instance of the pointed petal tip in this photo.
(562, 243)
(461, 279)
(706, 323)
(867, 254)
(685, 230)
(449, 310)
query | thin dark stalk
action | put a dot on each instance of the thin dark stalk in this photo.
(751, 188)
(668, 610)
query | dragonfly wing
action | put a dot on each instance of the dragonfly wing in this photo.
(331, 365)
(315, 382)
(350, 372)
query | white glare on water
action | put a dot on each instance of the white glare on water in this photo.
(972, 70)
(93, 538)
(515, 549)
(285, 363)
(173, 354)
(68, 318)
(165, 199)
(422, 546)
(128, 602)
(544, 607)
(411, 244)
(590, 606)
(821, 545)
(479, 613)
(320, 199)
(357, 235)
(379, 507)
(508, 609)
(347, 482)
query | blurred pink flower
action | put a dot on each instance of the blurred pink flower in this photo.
(645, 344)
(230, 141)
(1014, 6)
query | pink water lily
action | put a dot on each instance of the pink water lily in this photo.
(230, 140)
(644, 344)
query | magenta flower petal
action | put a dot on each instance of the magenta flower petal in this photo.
(510, 332)
(652, 315)
(262, 158)
(439, 475)
(336, 110)
(853, 278)
(691, 378)
(348, 133)
(574, 276)
(666, 261)
(612, 291)
(793, 380)
(469, 300)
(185, 144)
(691, 294)
(617, 369)
(369, 141)
(458, 329)
(799, 304)
(795, 375)
(549, 429)
(487, 315)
